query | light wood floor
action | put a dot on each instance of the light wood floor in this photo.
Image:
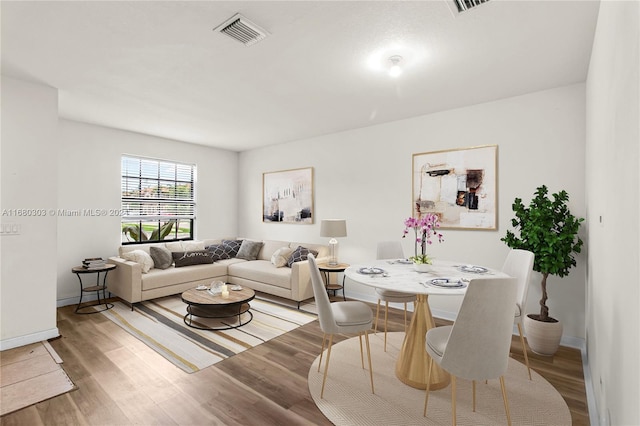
(121, 381)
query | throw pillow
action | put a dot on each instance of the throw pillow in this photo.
(249, 250)
(188, 258)
(161, 256)
(141, 257)
(232, 246)
(299, 255)
(280, 256)
(218, 252)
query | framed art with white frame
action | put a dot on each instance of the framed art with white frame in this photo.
(459, 185)
(287, 196)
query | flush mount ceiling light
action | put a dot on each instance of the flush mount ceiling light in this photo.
(395, 70)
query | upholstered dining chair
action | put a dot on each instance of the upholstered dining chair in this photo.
(519, 264)
(476, 347)
(339, 317)
(390, 250)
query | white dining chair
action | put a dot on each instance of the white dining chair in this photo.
(476, 347)
(519, 264)
(391, 250)
(339, 317)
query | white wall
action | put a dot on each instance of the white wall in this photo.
(29, 184)
(364, 176)
(613, 182)
(89, 178)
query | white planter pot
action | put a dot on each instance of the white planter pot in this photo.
(543, 337)
(422, 267)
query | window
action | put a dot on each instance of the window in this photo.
(158, 202)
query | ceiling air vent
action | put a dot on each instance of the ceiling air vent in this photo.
(241, 29)
(463, 5)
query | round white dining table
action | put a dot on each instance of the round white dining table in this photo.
(397, 275)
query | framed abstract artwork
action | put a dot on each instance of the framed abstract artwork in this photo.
(458, 185)
(287, 196)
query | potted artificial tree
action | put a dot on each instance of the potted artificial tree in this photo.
(549, 230)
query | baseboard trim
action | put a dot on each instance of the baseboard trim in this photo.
(594, 415)
(74, 300)
(27, 339)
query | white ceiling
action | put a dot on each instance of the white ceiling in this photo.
(158, 68)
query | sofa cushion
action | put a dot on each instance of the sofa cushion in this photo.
(158, 278)
(141, 257)
(249, 250)
(300, 254)
(174, 246)
(262, 271)
(189, 258)
(161, 256)
(232, 246)
(270, 247)
(281, 256)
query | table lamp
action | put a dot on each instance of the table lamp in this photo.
(333, 228)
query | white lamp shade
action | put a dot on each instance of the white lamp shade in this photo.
(333, 228)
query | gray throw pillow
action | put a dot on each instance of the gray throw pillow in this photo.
(299, 255)
(161, 256)
(188, 258)
(249, 250)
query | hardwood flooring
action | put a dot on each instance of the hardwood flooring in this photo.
(121, 381)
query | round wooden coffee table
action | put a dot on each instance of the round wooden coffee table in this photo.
(232, 311)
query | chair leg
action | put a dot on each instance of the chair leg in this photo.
(324, 337)
(473, 393)
(366, 338)
(524, 350)
(326, 365)
(504, 397)
(386, 314)
(453, 399)
(375, 328)
(426, 395)
(361, 351)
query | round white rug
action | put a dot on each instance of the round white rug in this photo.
(348, 399)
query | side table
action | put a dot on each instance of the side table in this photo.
(79, 271)
(327, 270)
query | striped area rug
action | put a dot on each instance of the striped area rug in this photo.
(159, 324)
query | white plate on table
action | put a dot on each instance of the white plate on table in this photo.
(447, 282)
(404, 261)
(236, 288)
(202, 287)
(371, 271)
(473, 269)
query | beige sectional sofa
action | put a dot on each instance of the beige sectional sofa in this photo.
(129, 281)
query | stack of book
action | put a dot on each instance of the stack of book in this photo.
(93, 263)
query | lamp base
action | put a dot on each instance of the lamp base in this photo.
(333, 259)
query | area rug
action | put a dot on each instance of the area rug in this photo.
(31, 374)
(159, 324)
(348, 399)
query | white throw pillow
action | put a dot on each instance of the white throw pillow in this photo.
(280, 256)
(141, 257)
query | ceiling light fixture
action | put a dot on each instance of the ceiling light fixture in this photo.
(395, 69)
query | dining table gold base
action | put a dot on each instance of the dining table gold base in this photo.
(413, 360)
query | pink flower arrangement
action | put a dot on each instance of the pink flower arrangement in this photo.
(424, 228)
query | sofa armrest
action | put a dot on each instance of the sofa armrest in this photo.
(126, 280)
(301, 288)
